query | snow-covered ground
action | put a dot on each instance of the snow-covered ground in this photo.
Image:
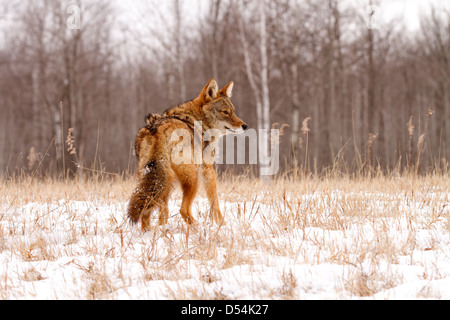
(317, 245)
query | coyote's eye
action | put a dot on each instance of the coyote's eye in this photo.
(225, 112)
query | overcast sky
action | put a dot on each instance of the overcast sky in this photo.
(410, 10)
(406, 10)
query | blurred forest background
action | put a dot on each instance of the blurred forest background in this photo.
(350, 92)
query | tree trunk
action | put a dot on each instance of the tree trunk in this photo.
(295, 124)
(265, 121)
(179, 49)
(446, 104)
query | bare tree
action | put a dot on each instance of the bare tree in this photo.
(167, 45)
(259, 78)
(291, 60)
(434, 45)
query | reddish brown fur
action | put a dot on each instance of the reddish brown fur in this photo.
(158, 174)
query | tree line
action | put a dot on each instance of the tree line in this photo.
(347, 95)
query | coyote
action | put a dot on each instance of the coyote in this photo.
(158, 173)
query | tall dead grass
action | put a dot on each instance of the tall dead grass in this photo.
(365, 225)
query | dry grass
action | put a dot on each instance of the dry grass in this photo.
(333, 238)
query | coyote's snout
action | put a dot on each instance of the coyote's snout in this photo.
(155, 146)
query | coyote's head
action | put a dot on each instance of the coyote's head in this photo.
(217, 110)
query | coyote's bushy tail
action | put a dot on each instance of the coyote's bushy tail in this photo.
(147, 196)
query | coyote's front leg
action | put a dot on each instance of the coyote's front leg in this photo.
(209, 182)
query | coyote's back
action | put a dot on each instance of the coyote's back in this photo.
(155, 146)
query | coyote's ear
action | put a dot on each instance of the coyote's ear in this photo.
(210, 91)
(228, 90)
